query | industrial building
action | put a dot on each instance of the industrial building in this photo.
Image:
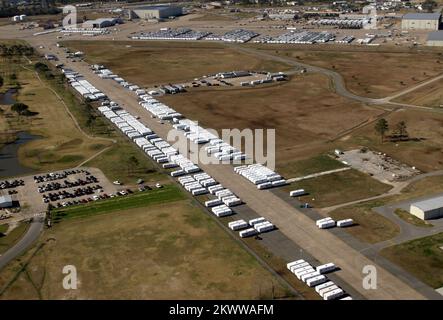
(101, 23)
(428, 209)
(421, 21)
(5, 201)
(156, 12)
(435, 39)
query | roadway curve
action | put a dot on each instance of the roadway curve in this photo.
(31, 235)
(338, 81)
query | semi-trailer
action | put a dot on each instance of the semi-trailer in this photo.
(238, 225)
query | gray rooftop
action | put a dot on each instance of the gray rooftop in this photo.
(158, 7)
(5, 198)
(435, 36)
(422, 16)
(429, 204)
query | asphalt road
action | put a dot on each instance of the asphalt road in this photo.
(31, 235)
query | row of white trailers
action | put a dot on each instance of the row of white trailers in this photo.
(251, 228)
(82, 86)
(261, 176)
(95, 31)
(315, 277)
(108, 74)
(328, 222)
(156, 148)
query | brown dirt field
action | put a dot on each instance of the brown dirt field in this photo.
(304, 112)
(373, 73)
(166, 251)
(427, 96)
(151, 63)
(426, 154)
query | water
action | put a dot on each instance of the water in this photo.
(9, 163)
(7, 98)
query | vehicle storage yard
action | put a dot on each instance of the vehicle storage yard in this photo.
(256, 85)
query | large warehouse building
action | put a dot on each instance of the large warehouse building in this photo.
(421, 21)
(428, 209)
(435, 39)
(156, 12)
(102, 23)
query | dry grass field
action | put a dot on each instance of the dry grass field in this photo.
(62, 144)
(430, 95)
(422, 257)
(304, 112)
(163, 251)
(340, 187)
(426, 152)
(157, 62)
(372, 72)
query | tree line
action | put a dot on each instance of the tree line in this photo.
(399, 131)
(16, 50)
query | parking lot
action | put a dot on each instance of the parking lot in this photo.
(33, 194)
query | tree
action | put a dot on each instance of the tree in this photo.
(429, 5)
(401, 129)
(19, 108)
(382, 126)
(41, 67)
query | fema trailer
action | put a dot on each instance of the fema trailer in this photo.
(199, 191)
(237, 225)
(213, 203)
(307, 276)
(322, 220)
(328, 267)
(294, 263)
(331, 295)
(345, 223)
(297, 193)
(323, 286)
(308, 270)
(326, 224)
(264, 227)
(293, 269)
(322, 292)
(248, 233)
(256, 221)
(316, 280)
(215, 188)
